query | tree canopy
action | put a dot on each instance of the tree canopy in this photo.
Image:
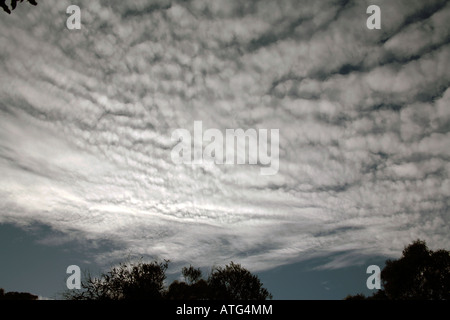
(235, 282)
(128, 281)
(12, 295)
(420, 274)
(134, 281)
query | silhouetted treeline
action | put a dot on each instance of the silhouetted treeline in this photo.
(420, 274)
(16, 295)
(136, 281)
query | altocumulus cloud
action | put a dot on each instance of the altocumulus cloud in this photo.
(364, 118)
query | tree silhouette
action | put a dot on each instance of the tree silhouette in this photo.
(236, 283)
(16, 295)
(128, 281)
(14, 4)
(420, 274)
(191, 274)
(198, 290)
(194, 287)
(146, 281)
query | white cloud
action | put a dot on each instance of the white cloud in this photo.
(86, 121)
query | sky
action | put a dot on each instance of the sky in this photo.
(87, 116)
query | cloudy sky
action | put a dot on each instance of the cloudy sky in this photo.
(86, 118)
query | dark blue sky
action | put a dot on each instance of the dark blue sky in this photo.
(30, 266)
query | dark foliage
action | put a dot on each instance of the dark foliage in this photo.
(131, 281)
(146, 281)
(191, 274)
(198, 290)
(16, 295)
(236, 282)
(420, 274)
(14, 4)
